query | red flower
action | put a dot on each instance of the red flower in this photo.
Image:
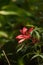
(25, 34)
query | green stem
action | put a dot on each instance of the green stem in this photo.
(38, 61)
(6, 57)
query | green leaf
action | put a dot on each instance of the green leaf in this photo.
(37, 35)
(3, 34)
(14, 8)
(34, 56)
(20, 48)
(41, 56)
(38, 55)
(28, 25)
(8, 13)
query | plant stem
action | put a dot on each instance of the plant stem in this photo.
(6, 57)
(38, 61)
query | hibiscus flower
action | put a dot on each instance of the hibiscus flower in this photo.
(25, 34)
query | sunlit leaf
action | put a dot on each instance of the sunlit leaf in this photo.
(8, 13)
(3, 34)
(16, 10)
(29, 25)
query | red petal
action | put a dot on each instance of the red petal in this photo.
(19, 37)
(27, 36)
(24, 30)
(30, 30)
(21, 40)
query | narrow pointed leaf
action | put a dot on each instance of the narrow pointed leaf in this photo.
(37, 34)
(20, 48)
(41, 56)
(34, 56)
(8, 13)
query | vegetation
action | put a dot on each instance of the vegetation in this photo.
(21, 32)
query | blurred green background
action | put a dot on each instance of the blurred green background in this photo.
(15, 14)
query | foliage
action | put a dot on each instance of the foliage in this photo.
(14, 16)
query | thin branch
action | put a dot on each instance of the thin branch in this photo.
(6, 57)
